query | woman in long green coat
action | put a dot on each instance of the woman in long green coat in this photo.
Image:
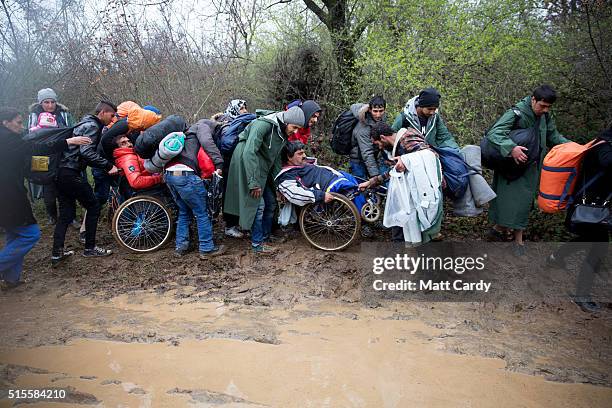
(255, 162)
(510, 209)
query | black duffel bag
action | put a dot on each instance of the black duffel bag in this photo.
(148, 141)
(506, 166)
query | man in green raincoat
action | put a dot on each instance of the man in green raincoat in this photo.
(421, 113)
(510, 209)
(255, 162)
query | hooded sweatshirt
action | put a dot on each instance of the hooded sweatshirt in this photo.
(436, 133)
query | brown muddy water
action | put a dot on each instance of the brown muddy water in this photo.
(291, 330)
(208, 354)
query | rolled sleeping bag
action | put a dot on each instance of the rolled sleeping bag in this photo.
(481, 190)
(170, 147)
(149, 140)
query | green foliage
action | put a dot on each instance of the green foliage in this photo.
(481, 56)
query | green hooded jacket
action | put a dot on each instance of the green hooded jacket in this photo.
(515, 198)
(436, 133)
(255, 162)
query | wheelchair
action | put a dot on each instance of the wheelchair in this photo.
(145, 222)
(336, 225)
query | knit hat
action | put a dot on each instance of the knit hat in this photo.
(309, 108)
(429, 98)
(46, 93)
(293, 116)
(152, 109)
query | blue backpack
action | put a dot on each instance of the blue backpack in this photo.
(229, 134)
(455, 170)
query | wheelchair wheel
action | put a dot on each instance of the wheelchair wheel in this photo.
(332, 226)
(370, 212)
(142, 224)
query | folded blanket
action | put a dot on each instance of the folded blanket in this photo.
(169, 148)
(479, 192)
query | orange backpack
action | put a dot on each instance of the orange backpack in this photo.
(138, 118)
(559, 173)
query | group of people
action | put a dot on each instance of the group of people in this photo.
(266, 164)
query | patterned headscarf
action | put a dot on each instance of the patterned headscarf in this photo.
(410, 140)
(233, 108)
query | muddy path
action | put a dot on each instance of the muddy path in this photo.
(293, 329)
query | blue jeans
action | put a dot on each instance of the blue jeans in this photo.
(190, 194)
(358, 168)
(102, 184)
(262, 225)
(19, 241)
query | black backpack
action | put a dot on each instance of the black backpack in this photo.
(43, 168)
(506, 166)
(342, 133)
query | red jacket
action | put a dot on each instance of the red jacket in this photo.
(133, 168)
(301, 135)
(207, 167)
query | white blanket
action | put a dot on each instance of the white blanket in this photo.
(413, 197)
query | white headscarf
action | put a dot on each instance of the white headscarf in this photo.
(233, 108)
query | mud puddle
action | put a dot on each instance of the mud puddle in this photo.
(152, 350)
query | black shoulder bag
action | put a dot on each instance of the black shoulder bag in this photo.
(588, 215)
(506, 166)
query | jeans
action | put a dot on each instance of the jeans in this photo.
(190, 195)
(73, 187)
(102, 184)
(358, 169)
(19, 241)
(36, 191)
(264, 218)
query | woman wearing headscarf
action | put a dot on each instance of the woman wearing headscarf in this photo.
(236, 107)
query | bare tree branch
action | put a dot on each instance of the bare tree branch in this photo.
(319, 12)
(588, 15)
(15, 48)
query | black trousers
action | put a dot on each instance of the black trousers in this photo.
(230, 220)
(73, 187)
(595, 242)
(50, 198)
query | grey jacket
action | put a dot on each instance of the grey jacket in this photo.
(363, 148)
(204, 130)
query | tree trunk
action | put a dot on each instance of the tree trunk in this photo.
(344, 37)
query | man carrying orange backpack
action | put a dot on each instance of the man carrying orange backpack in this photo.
(510, 209)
